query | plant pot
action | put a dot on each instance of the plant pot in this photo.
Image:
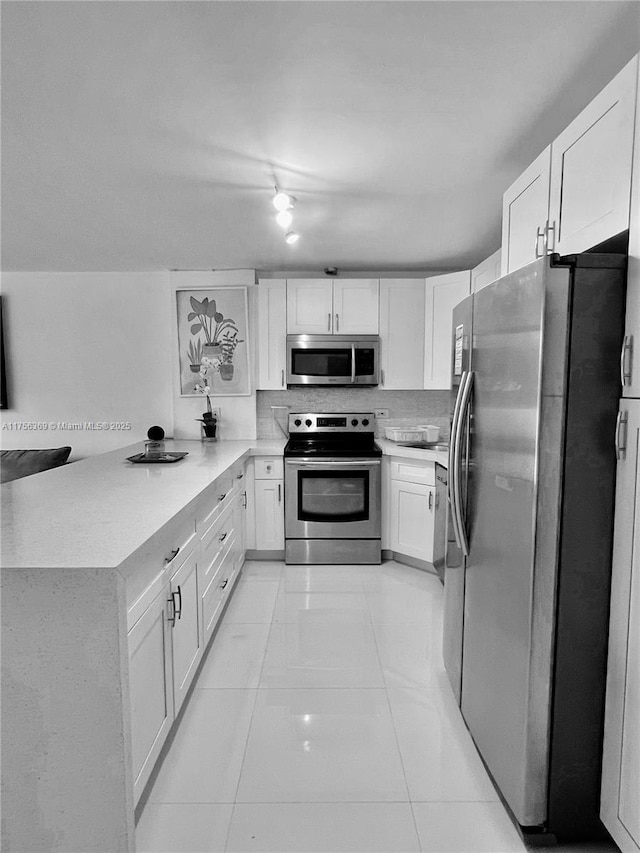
(212, 350)
(209, 430)
(226, 372)
(194, 368)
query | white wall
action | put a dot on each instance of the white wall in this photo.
(86, 347)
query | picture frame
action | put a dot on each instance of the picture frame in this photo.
(213, 341)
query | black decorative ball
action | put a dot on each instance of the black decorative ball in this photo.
(155, 433)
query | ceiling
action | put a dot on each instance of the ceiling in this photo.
(150, 135)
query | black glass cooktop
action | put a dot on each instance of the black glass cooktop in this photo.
(333, 445)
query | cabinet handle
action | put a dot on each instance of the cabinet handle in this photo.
(224, 583)
(172, 617)
(244, 500)
(329, 321)
(172, 555)
(279, 493)
(382, 375)
(282, 377)
(223, 537)
(540, 235)
(625, 359)
(222, 497)
(337, 322)
(621, 421)
(177, 611)
(430, 500)
(550, 245)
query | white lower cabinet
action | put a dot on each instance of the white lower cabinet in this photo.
(186, 639)
(620, 802)
(176, 591)
(151, 687)
(416, 512)
(269, 503)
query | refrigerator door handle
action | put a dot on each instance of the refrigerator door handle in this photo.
(621, 421)
(452, 458)
(625, 360)
(457, 476)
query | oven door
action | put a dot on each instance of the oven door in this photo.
(331, 360)
(332, 499)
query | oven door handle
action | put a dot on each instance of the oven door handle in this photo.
(333, 463)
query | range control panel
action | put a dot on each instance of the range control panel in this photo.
(314, 422)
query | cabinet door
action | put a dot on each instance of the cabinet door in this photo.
(440, 518)
(402, 333)
(591, 168)
(487, 271)
(620, 803)
(442, 294)
(631, 361)
(412, 517)
(309, 306)
(272, 332)
(151, 688)
(355, 306)
(185, 633)
(525, 209)
(269, 515)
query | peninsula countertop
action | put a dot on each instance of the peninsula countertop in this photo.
(94, 513)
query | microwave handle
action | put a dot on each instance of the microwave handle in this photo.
(353, 363)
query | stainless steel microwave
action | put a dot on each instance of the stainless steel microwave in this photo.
(339, 360)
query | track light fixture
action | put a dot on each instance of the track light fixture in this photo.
(284, 204)
(282, 201)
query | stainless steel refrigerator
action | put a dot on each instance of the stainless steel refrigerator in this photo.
(531, 484)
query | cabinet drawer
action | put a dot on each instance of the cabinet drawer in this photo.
(413, 472)
(269, 468)
(148, 569)
(216, 588)
(215, 501)
(214, 542)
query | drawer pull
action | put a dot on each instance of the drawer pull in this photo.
(172, 555)
(222, 497)
(223, 537)
(224, 583)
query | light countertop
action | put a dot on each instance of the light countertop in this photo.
(95, 512)
(390, 448)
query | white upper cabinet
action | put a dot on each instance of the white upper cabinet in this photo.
(355, 306)
(631, 355)
(272, 332)
(591, 169)
(575, 195)
(402, 333)
(525, 207)
(340, 307)
(487, 271)
(442, 294)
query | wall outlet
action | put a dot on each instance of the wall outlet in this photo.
(381, 413)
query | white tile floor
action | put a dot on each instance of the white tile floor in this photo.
(322, 721)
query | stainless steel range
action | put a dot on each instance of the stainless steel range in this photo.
(332, 489)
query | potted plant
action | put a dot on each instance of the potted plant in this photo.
(230, 341)
(208, 420)
(212, 322)
(194, 353)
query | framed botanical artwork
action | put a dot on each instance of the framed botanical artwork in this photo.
(213, 333)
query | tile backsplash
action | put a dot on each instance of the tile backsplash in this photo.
(406, 408)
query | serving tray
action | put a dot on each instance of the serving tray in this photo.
(166, 457)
